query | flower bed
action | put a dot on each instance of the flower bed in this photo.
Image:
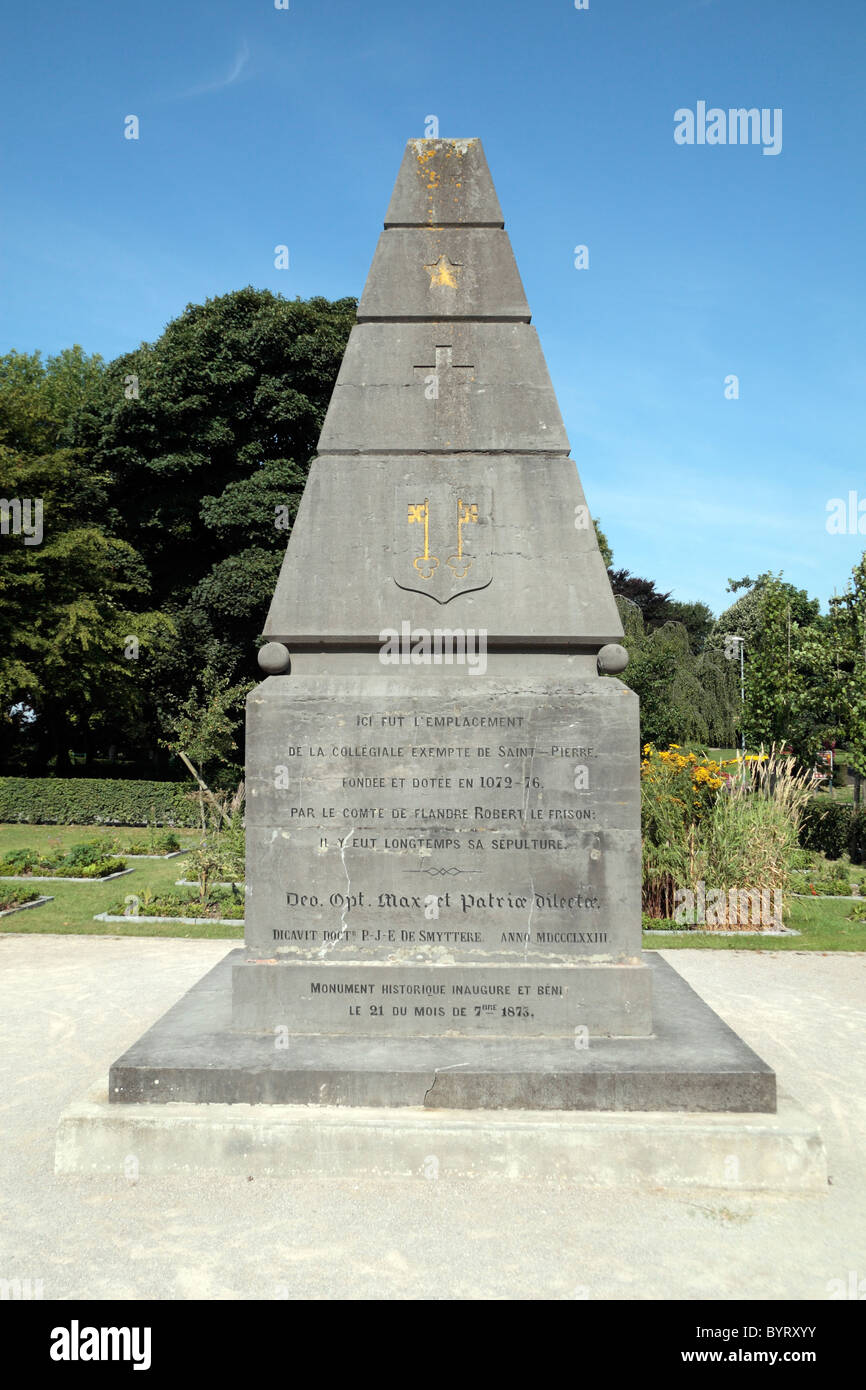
(92, 859)
(13, 898)
(162, 845)
(219, 905)
(815, 886)
(816, 876)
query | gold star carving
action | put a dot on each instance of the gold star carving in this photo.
(443, 272)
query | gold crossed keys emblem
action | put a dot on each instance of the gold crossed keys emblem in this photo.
(427, 564)
(443, 538)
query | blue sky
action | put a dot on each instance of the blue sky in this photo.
(262, 126)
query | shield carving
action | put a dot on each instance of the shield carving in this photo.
(442, 538)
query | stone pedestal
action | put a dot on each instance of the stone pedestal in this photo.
(435, 854)
(692, 1062)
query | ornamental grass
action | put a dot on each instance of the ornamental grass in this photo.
(731, 824)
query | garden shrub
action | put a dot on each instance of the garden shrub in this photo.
(97, 801)
(857, 836)
(827, 828)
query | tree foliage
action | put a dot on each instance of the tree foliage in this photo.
(685, 696)
(71, 600)
(169, 480)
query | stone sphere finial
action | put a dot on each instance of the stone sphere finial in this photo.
(274, 659)
(611, 659)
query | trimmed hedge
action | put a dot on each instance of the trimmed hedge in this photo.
(833, 829)
(97, 801)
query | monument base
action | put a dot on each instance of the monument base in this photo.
(782, 1152)
(692, 1062)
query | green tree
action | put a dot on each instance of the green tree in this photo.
(74, 631)
(842, 673)
(603, 544)
(653, 604)
(697, 619)
(204, 725)
(684, 696)
(659, 608)
(208, 457)
(785, 661)
(745, 616)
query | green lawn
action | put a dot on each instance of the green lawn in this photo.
(844, 794)
(63, 837)
(72, 911)
(821, 923)
(720, 754)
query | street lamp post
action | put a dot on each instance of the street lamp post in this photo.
(732, 638)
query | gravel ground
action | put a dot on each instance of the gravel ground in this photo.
(70, 1005)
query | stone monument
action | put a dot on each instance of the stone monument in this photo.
(443, 899)
(443, 804)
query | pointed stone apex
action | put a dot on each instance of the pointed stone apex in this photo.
(444, 183)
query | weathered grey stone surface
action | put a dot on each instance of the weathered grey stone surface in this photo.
(778, 1152)
(446, 387)
(344, 581)
(385, 998)
(413, 822)
(439, 273)
(443, 182)
(694, 1062)
(427, 779)
(274, 658)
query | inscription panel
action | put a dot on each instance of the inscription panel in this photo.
(410, 1001)
(467, 828)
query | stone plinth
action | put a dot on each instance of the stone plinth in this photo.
(488, 828)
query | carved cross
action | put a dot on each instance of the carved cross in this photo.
(445, 367)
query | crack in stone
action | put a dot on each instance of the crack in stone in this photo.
(528, 934)
(328, 946)
(455, 1066)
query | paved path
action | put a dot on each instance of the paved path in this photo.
(70, 1005)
